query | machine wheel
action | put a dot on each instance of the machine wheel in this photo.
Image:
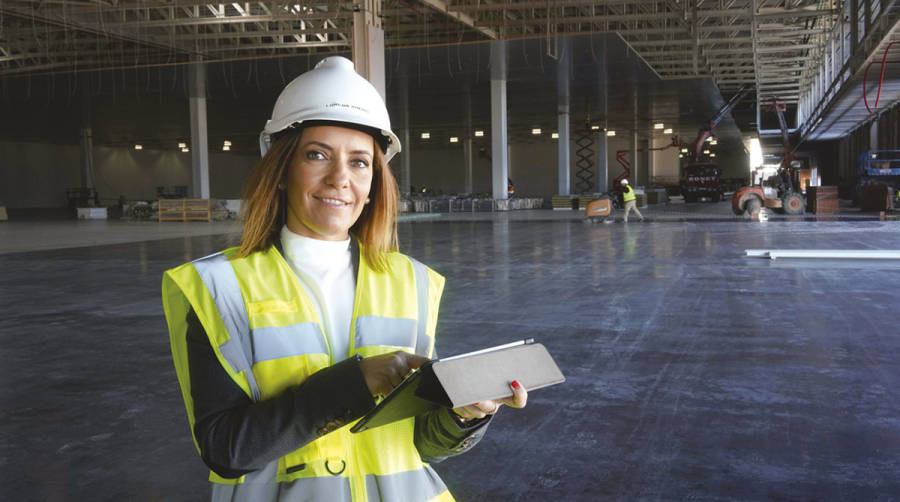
(792, 204)
(753, 205)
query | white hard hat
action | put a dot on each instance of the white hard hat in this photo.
(624, 182)
(333, 92)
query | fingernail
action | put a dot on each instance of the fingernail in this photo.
(515, 384)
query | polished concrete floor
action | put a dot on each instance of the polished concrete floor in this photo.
(693, 373)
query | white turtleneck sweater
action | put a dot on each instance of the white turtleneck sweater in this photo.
(325, 268)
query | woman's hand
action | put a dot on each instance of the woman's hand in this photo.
(386, 371)
(485, 408)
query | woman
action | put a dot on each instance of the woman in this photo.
(283, 342)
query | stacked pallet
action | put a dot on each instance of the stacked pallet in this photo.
(822, 200)
(563, 202)
(184, 210)
(584, 200)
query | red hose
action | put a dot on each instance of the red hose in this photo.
(880, 79)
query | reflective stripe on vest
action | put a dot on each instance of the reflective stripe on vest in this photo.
(629, 194)
(258, 486)
(423, 341)
(410, 485)
(271, 342)
(218, 276)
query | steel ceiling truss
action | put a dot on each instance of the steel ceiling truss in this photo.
(772, 44)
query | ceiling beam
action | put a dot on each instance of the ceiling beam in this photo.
(461, 17)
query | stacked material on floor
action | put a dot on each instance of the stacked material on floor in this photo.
(3, 216)
(185, 210)
(657, 196)
(562, 202)
(452, 204)
(822, 200)
(584, 200)
(877, 197)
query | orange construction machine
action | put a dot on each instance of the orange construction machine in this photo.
(781, 191)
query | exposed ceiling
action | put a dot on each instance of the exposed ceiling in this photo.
(764, 43)
(871, 86)
(444, 89)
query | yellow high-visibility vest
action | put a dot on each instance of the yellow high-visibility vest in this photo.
(629, 194)
(259, 302)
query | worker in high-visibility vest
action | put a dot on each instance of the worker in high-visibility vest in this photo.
(283, 342)
(629, 199)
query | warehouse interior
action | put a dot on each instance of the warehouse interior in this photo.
(694, 370)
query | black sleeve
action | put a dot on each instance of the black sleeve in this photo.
(237, 436)
(440, 434)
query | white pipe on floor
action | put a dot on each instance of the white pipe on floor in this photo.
(851, 254)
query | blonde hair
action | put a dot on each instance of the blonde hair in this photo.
(265, 209)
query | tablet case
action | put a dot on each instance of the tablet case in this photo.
(462, 380)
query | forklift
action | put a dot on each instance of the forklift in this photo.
(780, 191)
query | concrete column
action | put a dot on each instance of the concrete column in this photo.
(873, 135)
(406, 152)
(603, 110)
(368, 42)
(499, 152)
(602, 163)
(468, 142)
(87, 141)
(633, 151)
(633, 143)
(563, 160)
(199, 137)
(647, 164)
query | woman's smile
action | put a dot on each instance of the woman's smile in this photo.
(328, 181)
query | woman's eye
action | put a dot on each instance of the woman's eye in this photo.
(362, 164)
(315, 155)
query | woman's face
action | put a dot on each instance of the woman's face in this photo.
(328, 181)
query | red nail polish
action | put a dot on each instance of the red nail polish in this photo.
(515, 384)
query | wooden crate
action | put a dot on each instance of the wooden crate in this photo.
(822, 200)
(184, 210)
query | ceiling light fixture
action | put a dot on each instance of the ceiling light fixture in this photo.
(182, 145)
(555, 135)
(138, 147)
(426, 135)
(658, 125)
(479, 133)
(610, 133)
(454, 139)
(668, 131)
(536, 131)
(226, 148)
(595, 128)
